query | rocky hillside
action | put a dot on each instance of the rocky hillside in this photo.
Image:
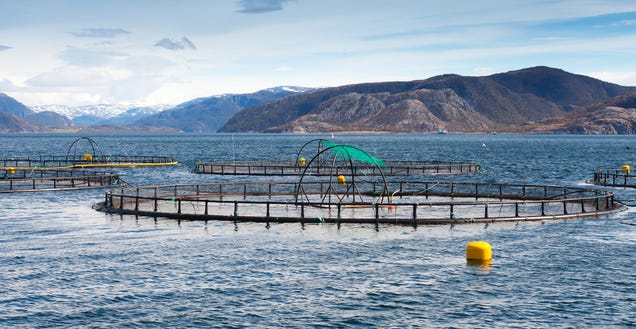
(13, 116)
(10, 105)
(616, 116)
(10, 122)
(412, 111)
(448, 102)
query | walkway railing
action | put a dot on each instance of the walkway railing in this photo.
(32, 180)
(412, 203)
(617, 178)
(80, 161)
(289, 168)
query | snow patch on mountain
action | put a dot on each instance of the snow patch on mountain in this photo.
(105, 111)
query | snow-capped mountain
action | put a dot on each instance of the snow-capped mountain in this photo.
(200, 114)
(104, 111)
(292, 89)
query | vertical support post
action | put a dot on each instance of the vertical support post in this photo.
(583, 206)
(426, 190)
(476, 191)
(137, 200)
(542, 208)
(598, 204)
(121, 199)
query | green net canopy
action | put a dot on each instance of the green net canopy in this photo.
(352, 153)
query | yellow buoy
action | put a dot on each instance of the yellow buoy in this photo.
(479, 252)
(11, 171)
(625, 169)
(88, 157)
(302, 161)
(341, 179)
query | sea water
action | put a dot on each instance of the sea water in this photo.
(63, 264)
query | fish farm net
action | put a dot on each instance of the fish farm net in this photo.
(407, 203)
(84, 153)
(34, 180)
(614, 178)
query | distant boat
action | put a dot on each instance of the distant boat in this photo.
(441, 132)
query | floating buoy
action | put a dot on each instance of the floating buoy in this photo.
(625, 169)
(341, 179)
(88, 157)
(11, 171)
(391, 207)
(479, 252)
(302, 161)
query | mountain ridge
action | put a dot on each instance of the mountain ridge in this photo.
(537, 97)
(495, 101)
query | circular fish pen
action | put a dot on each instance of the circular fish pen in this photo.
(614, 178)
(406, 203)
(291, 168)
(320, 163)
(85, 153)
(34, 180)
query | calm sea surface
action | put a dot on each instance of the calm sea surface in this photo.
(62, 264)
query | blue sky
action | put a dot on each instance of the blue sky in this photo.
(78, 52)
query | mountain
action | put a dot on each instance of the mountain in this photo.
(13, 116)
(448, 102)
(208, 114)
(616, 116)
(569, 91)
(412, 111)
(10, 122)
(10, 105)
(50, 119)
(102, 114)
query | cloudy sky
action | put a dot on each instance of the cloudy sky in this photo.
(78, 52)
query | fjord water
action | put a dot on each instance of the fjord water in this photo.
(62, 264)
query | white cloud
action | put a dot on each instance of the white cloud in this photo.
(260, 6)
(6, 85)
(99, 33)
(282, 69)
(90, 57)
(75, 77)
